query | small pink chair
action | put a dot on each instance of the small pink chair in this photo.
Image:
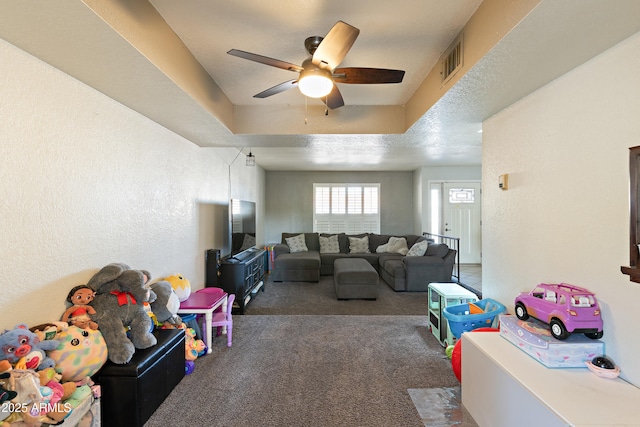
(221, 319)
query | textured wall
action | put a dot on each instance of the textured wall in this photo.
(85, 181)
(565, 216)
(289, 205)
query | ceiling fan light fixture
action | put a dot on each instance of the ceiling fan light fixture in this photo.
(315, 82)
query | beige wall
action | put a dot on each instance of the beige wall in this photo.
(85, 181)
(565, 216)
(289, 207)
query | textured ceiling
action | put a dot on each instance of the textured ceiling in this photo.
(278, 30)
(167, 60)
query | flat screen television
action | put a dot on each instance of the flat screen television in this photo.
(243, 225)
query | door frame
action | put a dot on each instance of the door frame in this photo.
(439, 205)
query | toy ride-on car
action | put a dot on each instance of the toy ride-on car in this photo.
(566, 308)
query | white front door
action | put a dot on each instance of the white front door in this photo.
(461, 218)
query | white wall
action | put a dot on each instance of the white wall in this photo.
(565, 217)
(85, 181)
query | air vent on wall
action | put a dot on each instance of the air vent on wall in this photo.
(452, 60)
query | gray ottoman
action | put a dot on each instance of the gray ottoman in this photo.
(355, 278)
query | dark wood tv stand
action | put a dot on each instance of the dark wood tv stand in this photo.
(243, 275)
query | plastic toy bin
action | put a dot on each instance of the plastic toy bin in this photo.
(460, 321)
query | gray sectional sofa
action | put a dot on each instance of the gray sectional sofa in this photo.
(400, 272)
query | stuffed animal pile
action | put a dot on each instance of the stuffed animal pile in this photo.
(33, 385)
(46, 370)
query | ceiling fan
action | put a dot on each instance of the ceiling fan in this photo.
(319, 73)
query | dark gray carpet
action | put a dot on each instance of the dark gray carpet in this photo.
(311, 370)
(300, 357)
(320, 298)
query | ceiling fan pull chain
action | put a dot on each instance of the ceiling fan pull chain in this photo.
(306, 110)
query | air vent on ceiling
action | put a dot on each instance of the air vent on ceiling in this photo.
(452, 60)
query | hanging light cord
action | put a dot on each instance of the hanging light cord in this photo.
(306, 108)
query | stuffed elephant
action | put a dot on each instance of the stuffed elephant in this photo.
(120, 293)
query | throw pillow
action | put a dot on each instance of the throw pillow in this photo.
(329, 245)
(398, 245)
(359, 245)
(383, 248)
(296, 243)
(418, 249)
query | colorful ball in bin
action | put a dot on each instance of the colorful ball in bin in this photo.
(456, 355)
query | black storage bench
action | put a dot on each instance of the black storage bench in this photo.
(132, 392)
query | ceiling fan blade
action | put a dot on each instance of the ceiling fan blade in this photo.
(277, 89)
(335, 45)
(355, 75)
(334, 99)
(265, 60)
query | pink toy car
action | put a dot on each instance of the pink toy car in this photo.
(566, 308)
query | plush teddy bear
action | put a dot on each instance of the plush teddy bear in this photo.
(120, 293)
(23, 347)
(80, 312)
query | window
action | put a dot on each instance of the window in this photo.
(346, 208)
(461, 195)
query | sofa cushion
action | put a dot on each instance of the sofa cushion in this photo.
(383, 258)
(395, 267)
(377, 240)
(330, 258)
(329, 244)
(299, 261)
(297, 244)
(437, 249)
(343, 240)
(359, 245)
(418, 249)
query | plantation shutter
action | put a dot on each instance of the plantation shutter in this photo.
(346, 208)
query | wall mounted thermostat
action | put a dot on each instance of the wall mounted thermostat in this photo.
(503, 181)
